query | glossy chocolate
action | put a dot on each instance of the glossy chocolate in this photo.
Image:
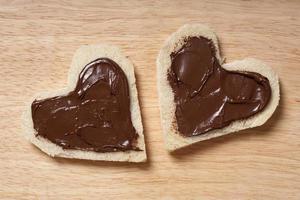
(209, 97)
(95, 116)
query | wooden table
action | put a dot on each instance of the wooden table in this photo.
(38, 39)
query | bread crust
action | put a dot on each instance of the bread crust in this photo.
(173, 140)
(84, 55)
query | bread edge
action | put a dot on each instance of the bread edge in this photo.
(173, 140)
(84, 55)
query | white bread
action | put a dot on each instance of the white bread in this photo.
(84, 55)
(172, 138)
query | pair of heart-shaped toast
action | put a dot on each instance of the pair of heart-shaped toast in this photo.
(97, 116)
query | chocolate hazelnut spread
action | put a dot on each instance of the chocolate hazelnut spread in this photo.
(95, 116)
(207, 96)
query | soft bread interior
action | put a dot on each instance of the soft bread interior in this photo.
(173, 140)
(84, 55)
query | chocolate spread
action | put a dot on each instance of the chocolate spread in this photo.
(207, 96)
(95, 116)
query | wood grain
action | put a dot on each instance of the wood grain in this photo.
(38, 39)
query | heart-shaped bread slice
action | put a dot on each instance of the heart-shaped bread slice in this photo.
(97, 117)
(202, 98)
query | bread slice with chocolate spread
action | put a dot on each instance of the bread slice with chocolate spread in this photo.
(96, 117)
(201, 97)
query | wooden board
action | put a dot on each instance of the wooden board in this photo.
(38, 39)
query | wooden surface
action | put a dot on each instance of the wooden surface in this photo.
(38, 39)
